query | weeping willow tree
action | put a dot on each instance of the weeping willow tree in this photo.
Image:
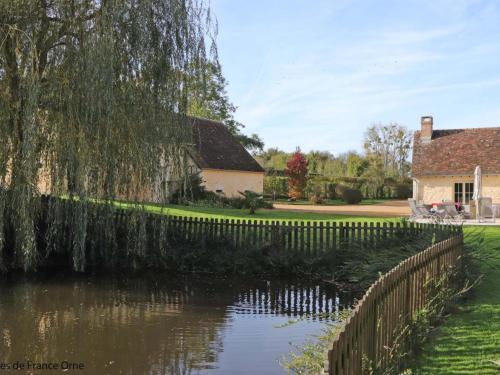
(93, 97)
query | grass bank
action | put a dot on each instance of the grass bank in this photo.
(469, 341)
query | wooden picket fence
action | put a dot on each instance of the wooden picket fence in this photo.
(387, 307)
(308, 237)
(305, 237)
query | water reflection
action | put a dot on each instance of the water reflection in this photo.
(168, 326)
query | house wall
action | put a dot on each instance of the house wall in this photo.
(491, 188)
(432, 189)
(160, 190)
(231, 182)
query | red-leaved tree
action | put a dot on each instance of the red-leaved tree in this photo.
(296, 171)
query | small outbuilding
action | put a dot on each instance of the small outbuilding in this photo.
(226, 167)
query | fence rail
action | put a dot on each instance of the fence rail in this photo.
(389, 304)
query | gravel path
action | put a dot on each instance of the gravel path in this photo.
(386, 209)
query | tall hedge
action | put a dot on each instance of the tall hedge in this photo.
(330, 186)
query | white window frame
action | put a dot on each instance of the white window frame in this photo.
(464, 193)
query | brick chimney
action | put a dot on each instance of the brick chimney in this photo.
(426, 123)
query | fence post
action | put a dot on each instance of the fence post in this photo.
(237, 236)
(309, 242)
(244, 226)
(290, 236)
(372, 234)
(328, 230)
(365, 235)
(302, 239)
(334, 236)
(315, 238)
(321, 229)
(341, 234)
(296, 236)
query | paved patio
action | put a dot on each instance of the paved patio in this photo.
(392, 208)
(469, 222)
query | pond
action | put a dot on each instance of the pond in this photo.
(181, 325)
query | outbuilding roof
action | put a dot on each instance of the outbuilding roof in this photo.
(216, 148)
(457, 152)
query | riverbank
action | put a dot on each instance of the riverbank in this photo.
(469, 341)
(89, 236)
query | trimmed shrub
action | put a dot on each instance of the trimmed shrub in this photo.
(220, 201)
(315, 190)
(351, 196)
(235, 202)
(340, 189)
(316, 196)
(330, 191)
(194, 190)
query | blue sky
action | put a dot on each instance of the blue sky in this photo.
(317, 73)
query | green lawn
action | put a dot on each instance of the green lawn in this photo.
(262, 214)
(469, 340)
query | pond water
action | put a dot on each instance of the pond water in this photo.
(163, 326)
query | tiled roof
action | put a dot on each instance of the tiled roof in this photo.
(217, 148)
(457, 152)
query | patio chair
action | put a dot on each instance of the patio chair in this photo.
(487, 210)
(452, 216)
(420, 212)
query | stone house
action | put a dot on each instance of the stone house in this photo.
(444, 162)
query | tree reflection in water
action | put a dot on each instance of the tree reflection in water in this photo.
(138, 326)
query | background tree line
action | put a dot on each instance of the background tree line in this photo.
(386, 152)
(381, 171)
